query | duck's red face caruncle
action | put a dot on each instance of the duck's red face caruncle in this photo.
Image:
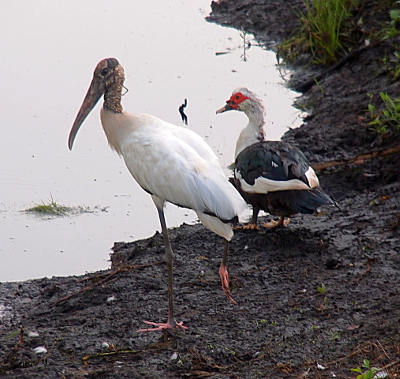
(233, 103)
(236, 99)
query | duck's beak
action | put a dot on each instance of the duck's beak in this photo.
(225, 108)
(93, 95)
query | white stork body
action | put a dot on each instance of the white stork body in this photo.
(174, 164)
(171, 163)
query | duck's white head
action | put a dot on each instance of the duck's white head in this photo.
(242, 99)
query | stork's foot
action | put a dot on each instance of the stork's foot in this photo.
(223, 273)
(250, 226)
(274, 224)
(161, 326)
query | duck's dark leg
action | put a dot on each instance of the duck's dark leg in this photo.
(169, 258)
(223, 273)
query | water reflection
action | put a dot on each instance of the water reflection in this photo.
(169, 54)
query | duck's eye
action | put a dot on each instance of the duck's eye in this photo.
(105, 71)
(237, 97)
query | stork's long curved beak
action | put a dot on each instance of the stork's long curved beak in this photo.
(225, 108)
(93, 95)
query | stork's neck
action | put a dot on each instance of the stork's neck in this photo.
(118, 127)
(255, 130)
(113, 94)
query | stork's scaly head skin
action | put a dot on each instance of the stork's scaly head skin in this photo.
(108, 79)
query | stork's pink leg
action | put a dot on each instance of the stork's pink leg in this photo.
(169, 258)
(223, 273)
(161, 326)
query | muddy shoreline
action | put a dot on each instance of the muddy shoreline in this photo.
(285, 325)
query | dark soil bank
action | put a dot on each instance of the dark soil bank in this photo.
(283, 326)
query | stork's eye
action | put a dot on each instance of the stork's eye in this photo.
(105, 71)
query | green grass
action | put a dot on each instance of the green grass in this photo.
(393, 29)
(328, 30)
(368, 372)
(392, 65)
(52, 208)
(323, 25)
(322, 289)
(387, 120)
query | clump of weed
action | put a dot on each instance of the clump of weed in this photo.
(322, 289)
(369, 372)
(53, 209)
(50, 209)
(393, 28)
(323, 24)
(387, 120)
(323, 27)
(392, 64)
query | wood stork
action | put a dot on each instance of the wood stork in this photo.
(169, 162)
(271, 175)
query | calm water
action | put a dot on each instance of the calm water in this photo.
(49, 51)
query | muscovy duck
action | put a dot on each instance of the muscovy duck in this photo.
(273, 176)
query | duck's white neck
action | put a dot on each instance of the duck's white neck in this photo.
(255, 130)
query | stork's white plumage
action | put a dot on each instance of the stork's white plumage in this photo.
(171, 163)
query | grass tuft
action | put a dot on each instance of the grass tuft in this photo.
(324, 26)
(323, 23)
(386, 121)
(52, 208)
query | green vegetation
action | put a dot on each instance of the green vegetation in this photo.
(334, 336)
(323, 26)
(369, 373)
(393, 29)
(392, 66)
(386, 121)
(52, 208)
(322, 289)
(328, 29)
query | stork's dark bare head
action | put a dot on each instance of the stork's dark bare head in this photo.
(108, 79)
